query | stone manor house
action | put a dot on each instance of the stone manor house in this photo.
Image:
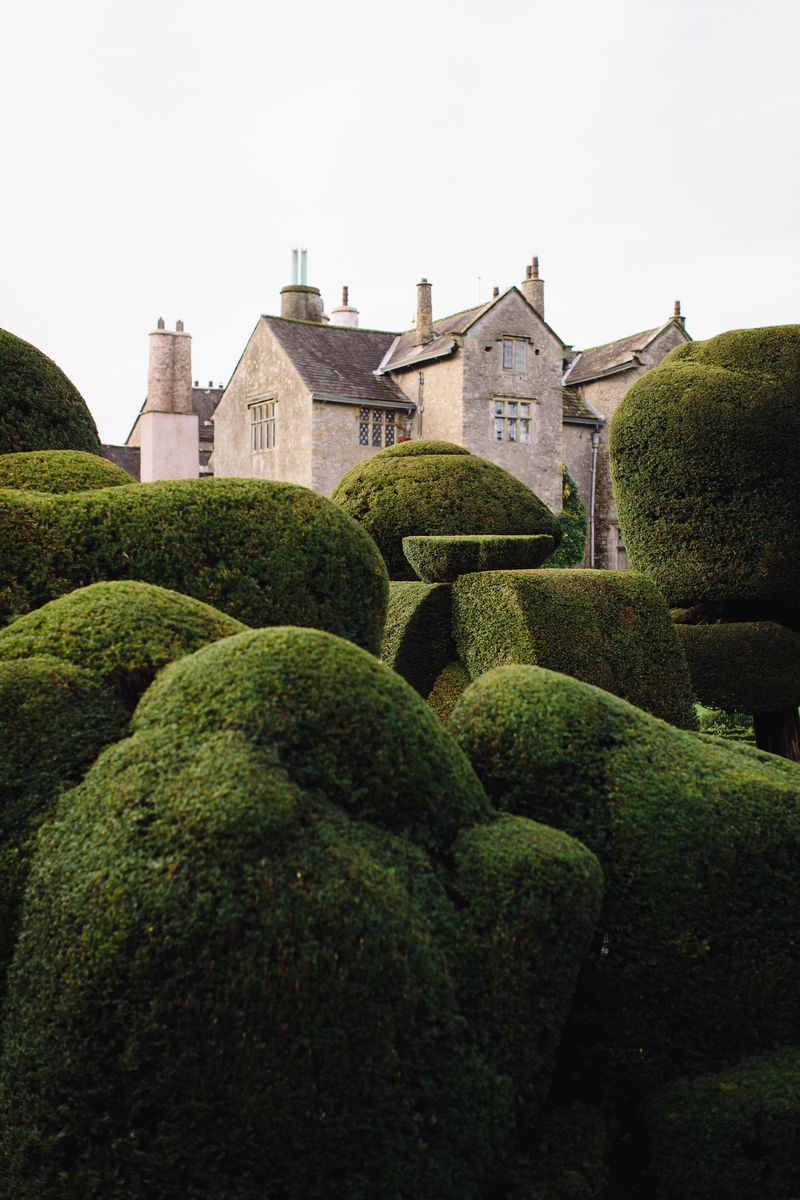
(313, 395)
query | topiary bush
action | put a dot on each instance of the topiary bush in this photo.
(39, 408)
(734, 1133)
(705, 459)
(436, 488)
(443, 559)
(449, 685)
(251, 945)
(574, 526)
(609, 628)
(59, 471)
(750, 666)
(55, 718)
(266, 553)
(417, 642)
(695, 952)
(123, 632)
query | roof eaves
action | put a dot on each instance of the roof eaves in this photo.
(368, 401)
(419, 359)
(617, 369)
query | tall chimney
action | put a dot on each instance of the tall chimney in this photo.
(345, 314)
(676, 312)
(168, 429)
(299, 302)
(532, 287)
(424, 313)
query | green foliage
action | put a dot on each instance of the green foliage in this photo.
(123, 632)
(417, 642)
(717, 722)
(448, 686)
(441, 559)
(59, 471)
(568, 1158)
(54, 719)
(574, 526)
(436, 488)
(265, 553)
(731, 1134)
(39, 408)
(705, 456)
(696, 952)
(609, 628)
(249, 964)
(748, 666)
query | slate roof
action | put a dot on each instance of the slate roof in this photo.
(335, 361)
(126, 457)
(204, 401)
(608, 358)
(406, 353)
(576, 409)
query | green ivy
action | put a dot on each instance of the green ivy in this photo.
(574, 526)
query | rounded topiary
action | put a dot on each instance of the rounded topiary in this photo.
(743, 666)
(124, 632)
(437, 488)
(266, 553)
(59, 471)
(40, 409)
(574, 526)
(705, 457)
(440, 559)
(253, 944)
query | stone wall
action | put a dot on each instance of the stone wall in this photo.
(335, 442)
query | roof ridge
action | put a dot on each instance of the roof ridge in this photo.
(327, 325)
(625, 338)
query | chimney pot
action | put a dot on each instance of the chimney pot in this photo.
(179, 326)
(535, 267)
(532, 287)
(677, 309)
(160, 323)
(345, 296)
(528, 270)
(495, 292)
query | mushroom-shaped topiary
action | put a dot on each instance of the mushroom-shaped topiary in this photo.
(40, 409)
(59, 471)
(429, 488)
(254, 945)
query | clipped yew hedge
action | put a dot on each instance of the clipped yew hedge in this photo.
(696, 949)
(434, 488)
(40, 409)
(266, 553)
(744, 666)
(59, 471)
(123, 632)
(417, 641)
(439, 559)
(252, 945)
(705, 458)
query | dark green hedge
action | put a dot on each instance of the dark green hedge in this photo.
(436, 488)
(417, 642)
(266, 553)
(448, 686)
(59, 471)
(574, 526)
(735, 1134)
(696, 951)
(748, 666)
(240, 972)
(609, 628)
(705, 456)
(440, 559)
(54, 720)
(722, 723)
(39, 408)
(123, 632)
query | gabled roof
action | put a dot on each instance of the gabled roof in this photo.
(577, 411)
(611, 357)
(337, 362)
(127, 457)
(407, 353)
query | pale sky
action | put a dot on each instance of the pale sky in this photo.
(162, 158)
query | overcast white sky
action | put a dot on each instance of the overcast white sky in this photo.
(162, 158)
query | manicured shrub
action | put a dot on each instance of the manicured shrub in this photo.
(265, 553)
(248, 964)
(442, 559)
(609, 628)
(750, 666)
(39, 408)
(436, 488)
(123, 632)
(417, 642)
(448, 686)
(568, 1159)
(722, 723)
(54, 720)
(705, 456)
(59, 471)
(574, 526)
(696, 947)
(731, 1134)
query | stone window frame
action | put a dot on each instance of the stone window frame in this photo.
(513, 419)
(513, 350)
(377, 427)
(263, 416)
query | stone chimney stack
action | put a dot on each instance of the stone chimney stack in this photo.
(424, 313)
(300, 302)
(533, 287)
(345, 314)
(676, 312)
(168, 429)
